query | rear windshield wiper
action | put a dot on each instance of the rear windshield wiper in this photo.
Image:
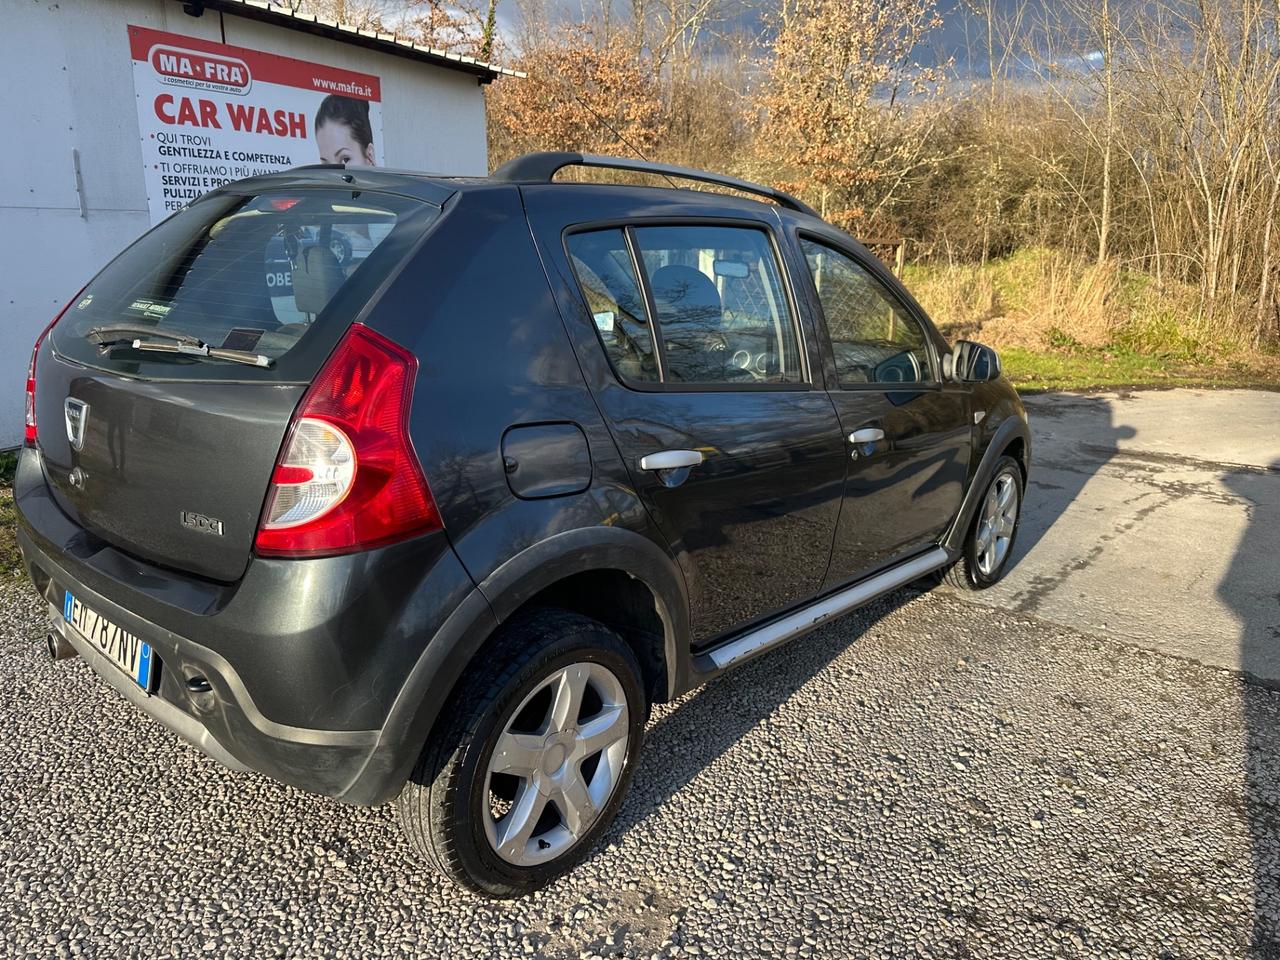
(188, 347)
(111, 334)
(124, 335)
(197, 349)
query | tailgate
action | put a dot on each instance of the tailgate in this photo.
(173, 472)
(168, 455)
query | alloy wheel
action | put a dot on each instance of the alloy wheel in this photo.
(555, 765)
(996, 526)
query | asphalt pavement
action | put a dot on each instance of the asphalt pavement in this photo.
(1154, 517)
(1075, 766)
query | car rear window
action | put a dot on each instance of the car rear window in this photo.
(250, 276)
(607, 277)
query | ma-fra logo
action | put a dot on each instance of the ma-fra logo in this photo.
(200, 523)
(204, 71)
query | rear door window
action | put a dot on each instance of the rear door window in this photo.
(715, 311)
(721, 310)
(244, 275)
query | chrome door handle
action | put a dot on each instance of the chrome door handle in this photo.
(866, 435)
(671, 459)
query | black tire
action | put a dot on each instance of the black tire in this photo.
(966, 573)
(445, 805)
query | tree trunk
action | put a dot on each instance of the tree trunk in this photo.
(1264, 284)
(1108, 135)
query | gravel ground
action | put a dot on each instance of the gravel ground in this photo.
(923, 778)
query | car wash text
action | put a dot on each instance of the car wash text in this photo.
(246, 118)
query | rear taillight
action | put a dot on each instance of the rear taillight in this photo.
(31, 431)
(31, 393)
(347, 478)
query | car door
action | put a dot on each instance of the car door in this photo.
(706, 386)
(909, 434)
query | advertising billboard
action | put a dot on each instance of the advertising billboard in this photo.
(209, 113)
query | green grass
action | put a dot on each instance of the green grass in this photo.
(1081, 368)
(1066, 324)
(10, 558)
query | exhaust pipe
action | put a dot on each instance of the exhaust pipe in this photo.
(58, 647)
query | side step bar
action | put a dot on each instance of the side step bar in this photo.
(777, 632)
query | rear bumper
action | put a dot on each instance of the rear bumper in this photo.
(324, 674)
(172, 717)
(225, 722)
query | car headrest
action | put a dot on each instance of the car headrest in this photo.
(316, 278)
(686, 294)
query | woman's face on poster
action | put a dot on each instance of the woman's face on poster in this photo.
(337, 145)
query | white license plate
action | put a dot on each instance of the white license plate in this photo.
(126, 650)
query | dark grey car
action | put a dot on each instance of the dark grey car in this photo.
(439, 523)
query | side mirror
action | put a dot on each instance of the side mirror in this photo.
(971, 362)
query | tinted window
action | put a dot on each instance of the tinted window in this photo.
(249, 273)
(873, 337)
(721, 310)
(605, 274)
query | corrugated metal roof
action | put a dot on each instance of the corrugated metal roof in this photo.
(385, 42)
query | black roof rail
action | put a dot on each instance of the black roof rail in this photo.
(542, 167)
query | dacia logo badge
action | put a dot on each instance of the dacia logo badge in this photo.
(77, 415)
(200, 523)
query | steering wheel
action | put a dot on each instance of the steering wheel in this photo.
(715, 342)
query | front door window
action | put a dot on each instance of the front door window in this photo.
(873, 337)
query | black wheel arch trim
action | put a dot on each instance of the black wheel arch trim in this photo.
(586, 549)
(453, 648)
(419, 703)
(1011, 428)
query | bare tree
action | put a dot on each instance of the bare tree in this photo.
(850, 106)
(1071, 48)
(460, 26)
(1206, 85)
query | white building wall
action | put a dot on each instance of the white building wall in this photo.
(66, 84)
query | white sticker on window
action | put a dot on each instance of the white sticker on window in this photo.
(604, 321)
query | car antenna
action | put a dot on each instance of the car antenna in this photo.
(617, 133)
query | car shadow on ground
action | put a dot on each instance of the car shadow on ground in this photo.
(1253, 595)
(708, 722)
(1073, 436)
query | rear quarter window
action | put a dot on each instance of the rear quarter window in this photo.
(256, 275)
